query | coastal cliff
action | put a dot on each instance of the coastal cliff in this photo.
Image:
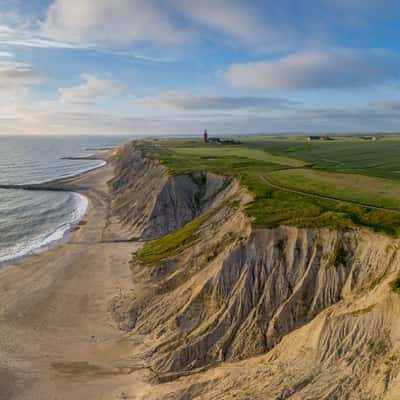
(152, 204)
(298, 312)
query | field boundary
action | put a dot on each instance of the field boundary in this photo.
(269, 182)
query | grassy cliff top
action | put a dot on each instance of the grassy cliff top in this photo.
(341, 183)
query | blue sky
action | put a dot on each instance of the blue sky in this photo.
(180, 66)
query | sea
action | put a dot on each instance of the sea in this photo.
(31, 221)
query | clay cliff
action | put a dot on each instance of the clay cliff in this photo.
(299, 313)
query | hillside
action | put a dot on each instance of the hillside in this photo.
(277, 311)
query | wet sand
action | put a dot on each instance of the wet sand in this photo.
(58, 339)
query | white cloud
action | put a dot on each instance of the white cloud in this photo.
(123, 22)
(26, 36)
(93, 89)
(16, 77)
(6, 54)
(14, 74)
(111, 22)
(232, 17)
(266, 25)
(16, 80)
(340, 68)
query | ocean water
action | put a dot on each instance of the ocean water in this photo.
(33, 220)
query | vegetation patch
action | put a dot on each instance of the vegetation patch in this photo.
(172, 244)
(362, 311)
(395, 285)
(280, 247)
(379, 347)
(339, 255)
(375, 282)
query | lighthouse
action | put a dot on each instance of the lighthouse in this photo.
(205, 136)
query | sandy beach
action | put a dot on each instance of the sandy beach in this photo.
(58, 339)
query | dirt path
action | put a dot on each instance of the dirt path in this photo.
(57, 337)
(323, 197)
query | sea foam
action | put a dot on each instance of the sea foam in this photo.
(42, 242)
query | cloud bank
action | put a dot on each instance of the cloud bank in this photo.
(123, 22)
(364, 119)
(92, 90)
(188, 102)
(339, 68)
(14, 74)
(111, 22)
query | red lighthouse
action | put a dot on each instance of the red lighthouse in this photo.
(205, 136)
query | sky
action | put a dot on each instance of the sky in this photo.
(153, 67)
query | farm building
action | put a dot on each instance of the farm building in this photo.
(217, 140)
(310, 138)
(325, 137)
(373, 138)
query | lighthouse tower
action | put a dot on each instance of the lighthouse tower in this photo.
(205, 136)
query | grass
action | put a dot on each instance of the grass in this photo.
(380, 347)
(172, 244)
(272, 207)
(362, 311)
(182, 161)
(395, 285)
(241, 152)
(345, 154)
(358, 188)
(339, 256)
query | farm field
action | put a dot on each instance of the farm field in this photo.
(241, 152)
(273, 205)
(356, 188)
(354, 155)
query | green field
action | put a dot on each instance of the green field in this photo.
(354, 155)
(241, 152)
(356, 188)
(288, 164)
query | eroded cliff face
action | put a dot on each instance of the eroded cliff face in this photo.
(151, 204)
(303, 313)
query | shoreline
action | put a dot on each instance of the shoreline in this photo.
(55, 185)
(58, 338)
(59, 236)
(58, 184)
